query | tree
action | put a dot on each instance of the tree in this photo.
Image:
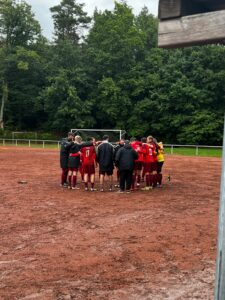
(17, 28)
(69, 20)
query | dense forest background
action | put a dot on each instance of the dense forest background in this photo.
(106, 72)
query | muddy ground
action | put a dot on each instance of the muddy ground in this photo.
(62, 244)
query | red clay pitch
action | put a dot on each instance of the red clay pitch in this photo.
(62, 244)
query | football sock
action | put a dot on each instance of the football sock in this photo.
(70, 180)
(139, 179)
(151, 180)
(160, 179)
(86, 185)
(74, 180)
(92, 185)
(147, 180)
(154, 179)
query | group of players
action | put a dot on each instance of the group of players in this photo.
(136, 160)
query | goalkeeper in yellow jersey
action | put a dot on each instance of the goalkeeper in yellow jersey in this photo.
(160, 162)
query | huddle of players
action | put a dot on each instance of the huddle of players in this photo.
(136, 160)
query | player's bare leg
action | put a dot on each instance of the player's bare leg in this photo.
(102, 179)
(148, 182)
(92, 182)
(110, 180)
(154, 179)
(138, 178)
(86, 182)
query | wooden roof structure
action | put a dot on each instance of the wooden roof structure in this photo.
(191, 22)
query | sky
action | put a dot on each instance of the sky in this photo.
(41, 9)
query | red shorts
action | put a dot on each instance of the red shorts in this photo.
(89, 169)
(138, 165)
(73, 169)
(150, 167)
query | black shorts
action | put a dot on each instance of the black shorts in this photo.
(159, 167)
(74, 162)
(108, 173)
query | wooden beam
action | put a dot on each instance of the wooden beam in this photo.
(207, 28)
(169, 9)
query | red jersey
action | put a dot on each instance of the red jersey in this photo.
(149, 153)
(137, 146)
(88, 155)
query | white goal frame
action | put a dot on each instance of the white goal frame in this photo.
(121, 132)
(23, 132)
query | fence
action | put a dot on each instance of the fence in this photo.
(30, 143)
(197, 150)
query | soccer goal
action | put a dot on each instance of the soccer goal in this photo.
(114, 134)
(24, 135)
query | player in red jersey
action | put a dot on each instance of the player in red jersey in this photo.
(88, 164)
(150, 166)
(137, 146)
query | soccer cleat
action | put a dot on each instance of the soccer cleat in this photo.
(93, 190)
(110, 189)
(69, 187)
(101, 190)
(138, 184)
(65, 185)
(86, 189)
(120, 192)
(75, 188)
(146, 188)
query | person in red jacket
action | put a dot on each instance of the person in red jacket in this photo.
(150, 167)
(89, 162)
(137, 146)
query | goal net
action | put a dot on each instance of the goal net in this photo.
(114, 134)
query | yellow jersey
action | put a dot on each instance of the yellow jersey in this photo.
(160, 156)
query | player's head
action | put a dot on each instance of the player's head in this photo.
(78, 139)
(138, 138)
(121, 142)
(133, 139)
(127, 142)
(160, 144)
(150, 139)
(144, 140)
(90, 139)
(93, 139)
(70, 136)
(105, 137)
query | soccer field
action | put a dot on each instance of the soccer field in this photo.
(63, 244)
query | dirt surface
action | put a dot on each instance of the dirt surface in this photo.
(62, 244)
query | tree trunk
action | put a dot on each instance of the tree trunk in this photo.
(4, 99)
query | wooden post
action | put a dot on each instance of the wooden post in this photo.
(220, 272)
(192, 30)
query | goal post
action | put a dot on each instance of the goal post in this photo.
(24, 135)
(114, 134)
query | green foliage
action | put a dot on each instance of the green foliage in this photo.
(115, 77)
(69, 19)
